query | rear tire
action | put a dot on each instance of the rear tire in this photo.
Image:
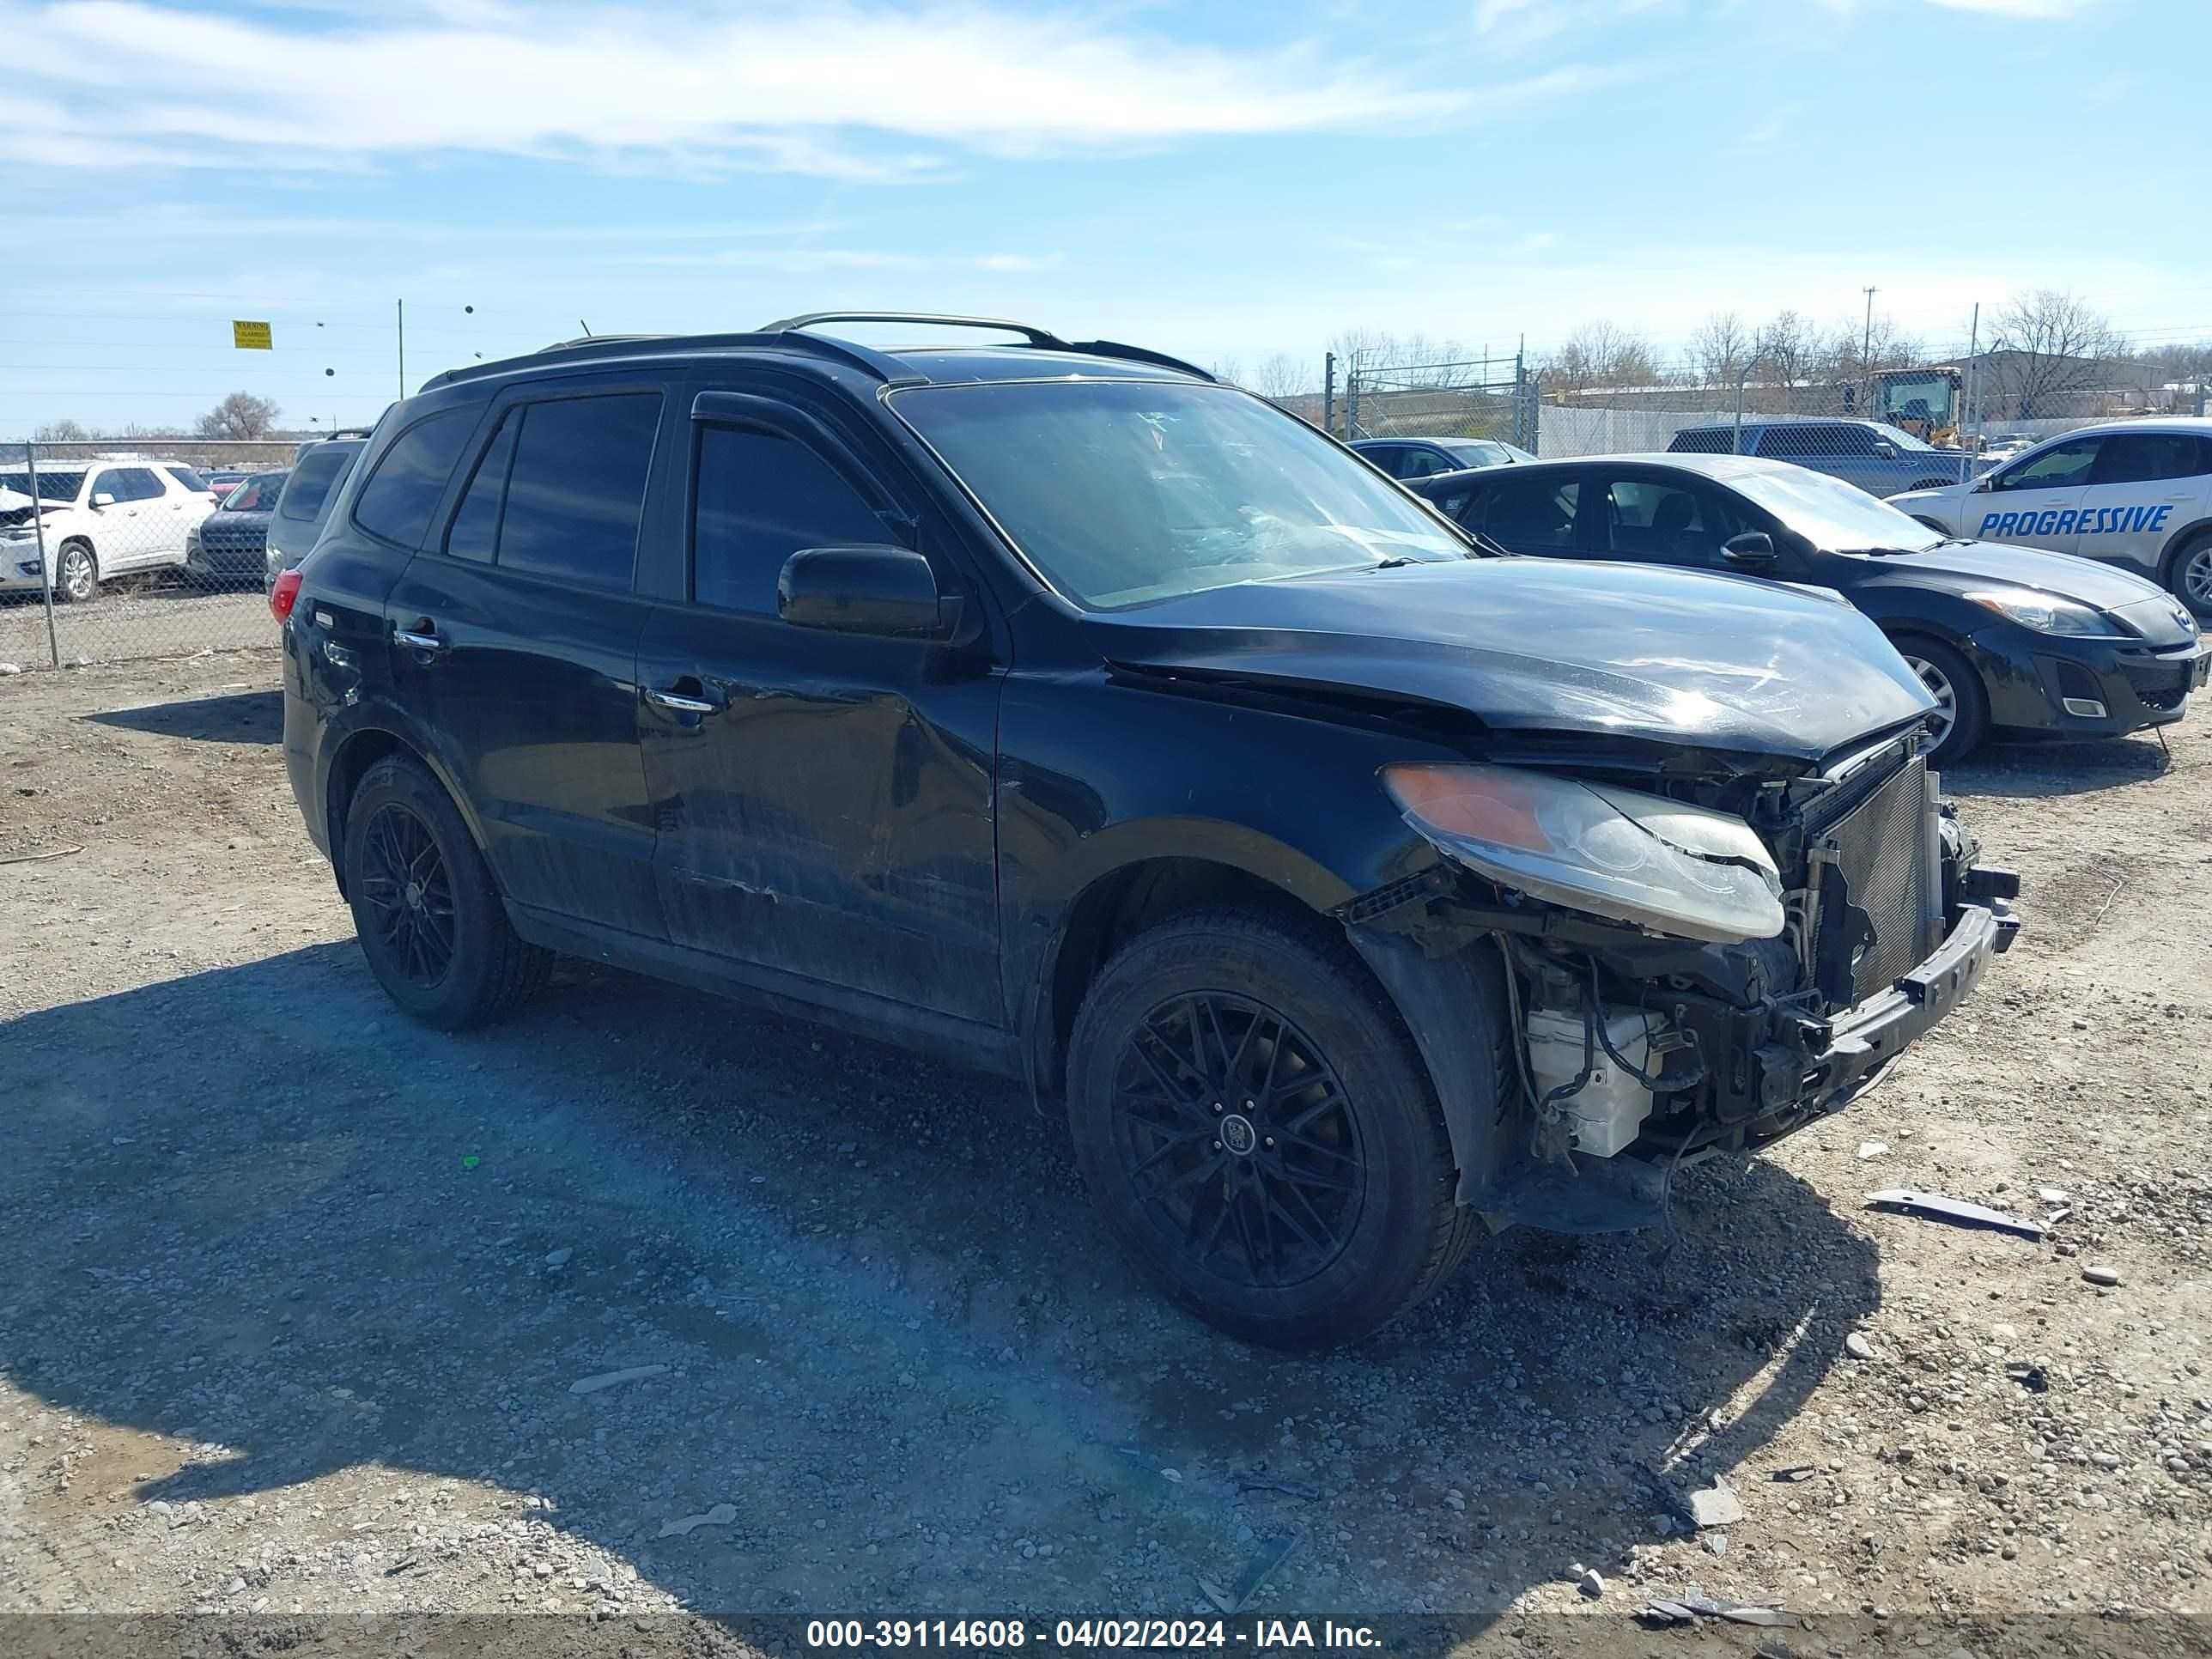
(2188, 575)
(430, 922)
(1259, 1132)
(1955, 685)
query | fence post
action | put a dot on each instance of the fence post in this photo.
(1329, 393)
(46, 565)
(1351, 399)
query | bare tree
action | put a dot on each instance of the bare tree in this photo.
(1281, 375)
(2062, 345)
(63, 432)
(1603, 353)
(241, 415)
(1721, 348)
(1790, 346)
(1230, 371)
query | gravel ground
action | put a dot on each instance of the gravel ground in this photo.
(134, 618)
(311, 1310)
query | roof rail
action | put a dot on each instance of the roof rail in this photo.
(1043, 339)
(623, 345)
(1034, 336)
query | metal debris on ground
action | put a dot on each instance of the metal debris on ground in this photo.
(1693, 1608)
(721, 1516)
(40, 858)
(1231, 1600)
(1934, 1206)
(608, 1379)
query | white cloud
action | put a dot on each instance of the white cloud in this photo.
(854, 88)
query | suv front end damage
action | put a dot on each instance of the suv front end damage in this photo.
(1706, 966)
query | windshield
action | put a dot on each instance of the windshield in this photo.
(1124, 492)
(52, 486)
(1839, 517)
(1903, 439)
(1477, 453)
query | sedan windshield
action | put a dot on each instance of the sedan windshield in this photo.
(1124, 492)
(1839, 517)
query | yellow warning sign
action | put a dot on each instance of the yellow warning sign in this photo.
(251, 336)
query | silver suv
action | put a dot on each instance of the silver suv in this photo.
(305, 506)
(1877, 458)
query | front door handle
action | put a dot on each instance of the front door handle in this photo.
(661, 697)
(421, 637)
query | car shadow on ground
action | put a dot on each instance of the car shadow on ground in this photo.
(2037, 771)
(330, 1243)
(242, 717)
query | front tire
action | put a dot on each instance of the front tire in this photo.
(2189, 575)
(1259, 1132)
(1963, 704)
(76, 574)
(430, 922)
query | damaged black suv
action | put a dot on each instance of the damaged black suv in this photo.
(1055, 707)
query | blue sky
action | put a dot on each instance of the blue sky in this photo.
(1226, 180)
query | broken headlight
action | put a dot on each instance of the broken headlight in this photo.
(1613, 853)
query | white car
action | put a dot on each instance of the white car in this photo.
(2136, 493)
(114, 516)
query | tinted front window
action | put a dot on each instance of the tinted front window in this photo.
(400, 495)
(576, 491)
(2147, 456)
(1667, 521)
(760, 499)
(311, 482)
(2062, 466)
(129, 483)
(1479, 454)
(256, 494)
(1123, 492)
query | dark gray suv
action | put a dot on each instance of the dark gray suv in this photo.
(1877, 458)
(305, 506)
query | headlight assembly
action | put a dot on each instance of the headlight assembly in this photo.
(2046, 615)
(1613, 853)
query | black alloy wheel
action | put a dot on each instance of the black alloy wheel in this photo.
(1238, 1139)
(410, 896)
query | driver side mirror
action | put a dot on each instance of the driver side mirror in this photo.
(103, 499)
(1753, 552)
(1887, 450)
(867, 588)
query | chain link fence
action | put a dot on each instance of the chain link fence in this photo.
(112, 552)
(1491, 398)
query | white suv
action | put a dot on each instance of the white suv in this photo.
(2136, 493)
(106, 518)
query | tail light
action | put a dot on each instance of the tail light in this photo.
(284, 594)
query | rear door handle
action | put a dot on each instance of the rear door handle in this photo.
(421, 637)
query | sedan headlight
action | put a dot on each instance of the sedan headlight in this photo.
(1613, 853)
(2046, 615)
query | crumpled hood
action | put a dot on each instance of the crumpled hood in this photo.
(1632, 651)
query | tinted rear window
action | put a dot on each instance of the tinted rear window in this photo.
(313, 480)
(186, 476)
(400, 495)
(1708, 440)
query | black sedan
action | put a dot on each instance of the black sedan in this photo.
(2008, 639)
(231, 543)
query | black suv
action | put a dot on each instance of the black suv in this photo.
(1061, 710)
